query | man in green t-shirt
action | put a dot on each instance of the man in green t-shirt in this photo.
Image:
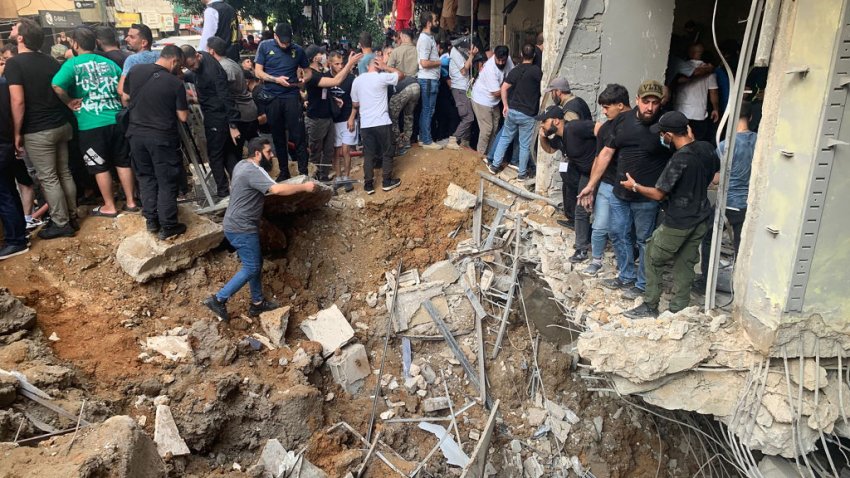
(88, 84)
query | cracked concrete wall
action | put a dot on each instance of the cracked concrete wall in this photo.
(792, 114)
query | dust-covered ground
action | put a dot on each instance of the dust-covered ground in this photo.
(228, 398)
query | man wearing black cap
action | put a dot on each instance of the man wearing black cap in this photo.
(320, 123)
(575, 139)
(639, 153)
(683, 187)
(277, 64)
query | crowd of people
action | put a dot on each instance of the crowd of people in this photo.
(119, 114)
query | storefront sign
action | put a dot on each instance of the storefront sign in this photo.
(152, 20)
(55, 19)
(83, 4)
(126, 20)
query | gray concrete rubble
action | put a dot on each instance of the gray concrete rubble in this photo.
(330, 328)
(458, 198)
(350, 367)
(275, 462)
(276, 206)
(274, 323)
(174, 344)
(16, 319)
(144, 257)
(166, 436)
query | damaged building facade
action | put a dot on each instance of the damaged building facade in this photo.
(772, 366)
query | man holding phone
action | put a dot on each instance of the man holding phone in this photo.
(280, 64)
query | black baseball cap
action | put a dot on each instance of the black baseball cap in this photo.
(314, 50)
(552, 112)
(671, 122)
(283, 31)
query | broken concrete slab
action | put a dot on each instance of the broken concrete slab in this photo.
(275, 461)
(435, 404)
(350, 367)
(144, 257)
(14, 315)
(812, 375)
(171, 346)
(276, 206)
(410, 300)
(166, 436)
(458, 198)
(443, 271)
(330, 328)
(275, 322)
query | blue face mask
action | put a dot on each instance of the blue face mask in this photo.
(661, 140)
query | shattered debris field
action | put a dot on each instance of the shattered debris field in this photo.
(291, 393)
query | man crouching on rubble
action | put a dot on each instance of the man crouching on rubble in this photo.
(683, 186)
(248, 187)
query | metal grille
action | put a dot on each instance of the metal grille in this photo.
(819, 182)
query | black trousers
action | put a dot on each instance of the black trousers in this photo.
(220, 151)
(569, 188)
(703, 130)
(234, 153)
(11, 210)
(286, 120)
(736, 220)
(377, 147)
(582, 218)
(158, 166)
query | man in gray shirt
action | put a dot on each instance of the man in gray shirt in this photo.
(248, 189)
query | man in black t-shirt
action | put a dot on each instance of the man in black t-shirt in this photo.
(614, 101)
(683, 186)
(344, 139)
(107, 45)
(576, 140)
(319, 119)
(640, 153)
(157, 101)
(11, 209)
(521, 100)
(41, 125)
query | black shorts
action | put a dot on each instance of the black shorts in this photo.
(22, 176)
(104, 148)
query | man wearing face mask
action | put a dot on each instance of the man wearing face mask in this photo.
(158, 101)
(278, 64)
(575, 139)
(320, 123)
(683, 187)
(642, 155)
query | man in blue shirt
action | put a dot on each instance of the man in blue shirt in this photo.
(739, 186)
(279, 63)
(139, 40)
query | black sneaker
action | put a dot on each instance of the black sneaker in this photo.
(349, 186)
(391, 184)
(493, 169)
(632, 293)
(152, 225)
(369, 187)
(579, 256)
(12, 251)
(173, 231)
(642, 311)
(616, 283)
(52, 231)
(75, 224)
(217, 307)
(266, 305)
(568, 223)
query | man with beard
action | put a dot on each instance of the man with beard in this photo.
(486, 93)
(158, 100)
(139, 40)
(428, 76)
(683, 186)
(641, 154)
(460, 66)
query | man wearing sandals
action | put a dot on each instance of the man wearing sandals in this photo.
(88, 85)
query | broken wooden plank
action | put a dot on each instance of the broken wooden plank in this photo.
(510, 299)
(517, 190)
(478, 460)
(476, 215)
(458, 353)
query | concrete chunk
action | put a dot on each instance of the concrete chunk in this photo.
(435, 404)
(350, 367)
(330, 328)
(274, 322)
(458, 198)
(166, 436)
(276, 206)
(173, 347)
(144, 257)
(409, 301)
(14, 315)
(277, 462)
(443, 271)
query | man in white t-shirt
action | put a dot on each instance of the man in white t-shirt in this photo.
(695, 85)
(369, 98)
(486, 94)
(460, 64)
(428, 76)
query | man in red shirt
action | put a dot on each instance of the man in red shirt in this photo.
(403, 12)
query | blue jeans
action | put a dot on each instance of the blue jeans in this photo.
(624, 214)
(601, 220)
(491, 154)
(516, 124)
(248, 248)
(428, 90)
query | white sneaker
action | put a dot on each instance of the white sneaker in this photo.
(432, 146)
(452, 144)
(33, 223)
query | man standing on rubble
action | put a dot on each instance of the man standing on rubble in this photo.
(641, 154)
(683, 186)
(278, 63)
(250, 184)
(221, 117)
(157, 100)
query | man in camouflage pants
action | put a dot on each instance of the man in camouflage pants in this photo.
(404, 99)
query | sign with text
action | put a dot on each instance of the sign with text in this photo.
(126, 19)
(83, 4)
(56, 19)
